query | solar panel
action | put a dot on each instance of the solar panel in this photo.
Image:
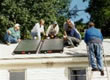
(27, 46)
(52, 46)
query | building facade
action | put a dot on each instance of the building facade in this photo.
(72, 64)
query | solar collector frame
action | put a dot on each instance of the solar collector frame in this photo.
(27, 47)
(52, 46)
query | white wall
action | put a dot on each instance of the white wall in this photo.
(4, 75)
(47, 74)
(97, 76)
(50, 74)
(58, 74)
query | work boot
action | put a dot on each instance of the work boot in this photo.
(8, 43)
(70, 46)
(102, 72)
(94, 69)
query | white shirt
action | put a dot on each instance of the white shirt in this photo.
(38, 28)
(51, 29)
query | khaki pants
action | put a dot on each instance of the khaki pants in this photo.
(72, 41)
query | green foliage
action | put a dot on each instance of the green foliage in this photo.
(28, 12)
(100, 14)
(81, 28)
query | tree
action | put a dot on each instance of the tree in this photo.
(100, 14)
(28, 12)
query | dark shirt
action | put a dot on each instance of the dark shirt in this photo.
(73, 33)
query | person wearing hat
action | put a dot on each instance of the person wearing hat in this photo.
(13, 34)
(93, 39)
(52, 30)
(71, 35)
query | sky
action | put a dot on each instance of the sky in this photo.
(81, 14)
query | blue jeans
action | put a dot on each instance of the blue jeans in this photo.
(38, 34)
(10, 39)
(95, 51)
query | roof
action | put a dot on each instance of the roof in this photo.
(77, 55)
(80, 51)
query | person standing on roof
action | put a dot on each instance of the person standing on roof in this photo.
(93, 38)
(38, 29)
(13, 35)
(71, 35)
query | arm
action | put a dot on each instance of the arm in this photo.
(64, 28)
(9, 32)
(65, 34)
(19, 35)
(57, 29)
(78, 35)
(48, 30)
(85, 37)
(35, 28)
(42, 31)
(101, 36)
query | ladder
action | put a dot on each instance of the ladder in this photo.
(106, 66)
(89, 68)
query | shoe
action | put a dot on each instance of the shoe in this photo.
(35, 38)
(8, 43)
(76, 45)
(70, 46)
(102, 72)
(94, 69)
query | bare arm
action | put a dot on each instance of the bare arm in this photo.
(8, 31)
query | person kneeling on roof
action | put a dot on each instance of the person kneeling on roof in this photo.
(71, 35)
(52, 30)
(13, 35)
(38, 29)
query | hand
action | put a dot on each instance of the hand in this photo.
(9, 32)
(52, 36)
(44, 34)
(65, 37)
(19, 40)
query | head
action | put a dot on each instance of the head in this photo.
(42, 22)
(91, 24)
(17, 27)
(70, 23)
(54, 24)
